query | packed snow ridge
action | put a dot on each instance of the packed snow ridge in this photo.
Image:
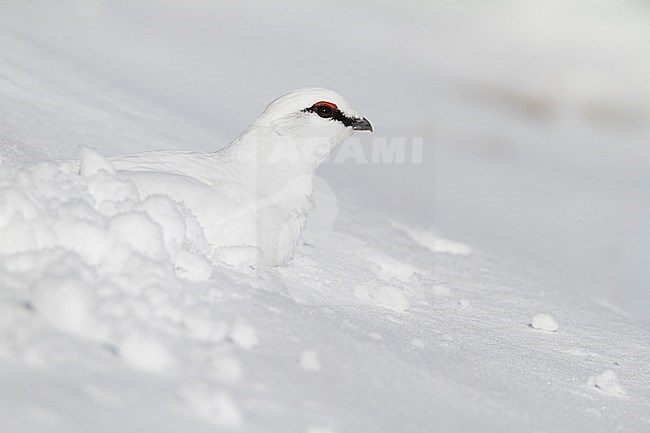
(84, 246)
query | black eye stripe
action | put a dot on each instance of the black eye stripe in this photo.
(336, 114)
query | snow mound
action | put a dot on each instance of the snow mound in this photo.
(92, 162)
(544, 322)
(607, 382)
(81, 250)
(99, 217)
(64, 303)
(86, 262)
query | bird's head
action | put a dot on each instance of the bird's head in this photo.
(311, 121)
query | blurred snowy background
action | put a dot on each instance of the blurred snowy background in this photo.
(535, 114)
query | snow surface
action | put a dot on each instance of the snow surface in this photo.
(308, 360)
(114, 316)
(608, 383)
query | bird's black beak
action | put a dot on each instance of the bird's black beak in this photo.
(362, 125)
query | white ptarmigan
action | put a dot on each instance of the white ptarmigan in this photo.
(255, 192)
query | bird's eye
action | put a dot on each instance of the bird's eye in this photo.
(324, 111)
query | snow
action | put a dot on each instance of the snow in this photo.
(63, 303)
(116, 316)
(544, 322)
(145, 352)
(313, 429)
(387, 295)
(308, 360)
(226, 369)
(92, 162)
(95, 217)
(216, 407)
(607, 382)
(419, 343)
(243, 334)
(432, 241)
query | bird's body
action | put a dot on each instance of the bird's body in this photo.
(255, 192)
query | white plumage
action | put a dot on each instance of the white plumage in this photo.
(256, 192)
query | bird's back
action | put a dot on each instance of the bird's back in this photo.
(178, 162)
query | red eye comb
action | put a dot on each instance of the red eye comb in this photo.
(329, 104)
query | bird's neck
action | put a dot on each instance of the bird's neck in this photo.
(280, 168)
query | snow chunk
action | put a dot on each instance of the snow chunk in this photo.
(97, 217)
(389, 267)
(607, 382)
(431, 240)
(112, 195)
(544, 322)
(308, 360)
(64, 303)
(174, 227)
(15, 205)
(92, 162)
(145, 352)
(164, 212)
(243, 334)
(385, 294)
(140, 233)
(192, 267)
(444, 245)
